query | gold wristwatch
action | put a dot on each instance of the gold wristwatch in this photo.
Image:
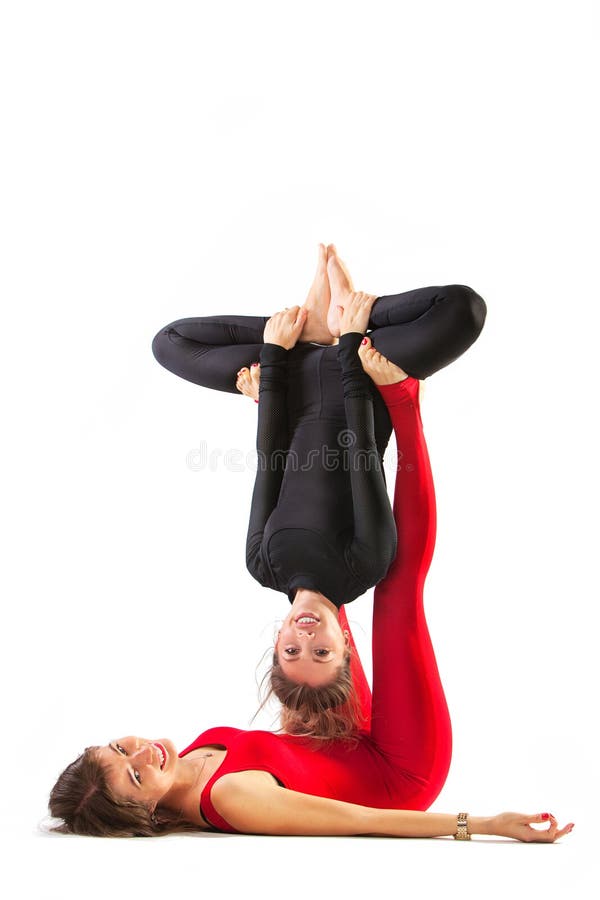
(461, 828)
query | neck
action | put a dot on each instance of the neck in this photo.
(192, 776)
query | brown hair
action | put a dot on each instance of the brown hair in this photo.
(82, 798)
(329, 712)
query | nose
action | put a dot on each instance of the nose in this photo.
(306, 634)
(142, 754)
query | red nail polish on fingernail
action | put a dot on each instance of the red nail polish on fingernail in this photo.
(545, 816)
(256, 401)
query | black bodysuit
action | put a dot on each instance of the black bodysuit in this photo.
(320, 515)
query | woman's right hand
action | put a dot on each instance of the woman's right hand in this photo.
(285, 327)
(517, 825)
(355, 315)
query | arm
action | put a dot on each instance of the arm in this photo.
(374, 536)
(252, 803)
(272, 443)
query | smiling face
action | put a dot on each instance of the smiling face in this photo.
(311, 645)
(138, 769)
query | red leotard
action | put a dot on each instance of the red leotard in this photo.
(402, 757)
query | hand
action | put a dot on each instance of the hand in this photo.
(354, 316)
(516, 825)
(284, 328)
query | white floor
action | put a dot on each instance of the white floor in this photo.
(54, 868)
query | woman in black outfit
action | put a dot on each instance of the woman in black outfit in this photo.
(321, 527)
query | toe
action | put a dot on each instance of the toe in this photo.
(363, 351)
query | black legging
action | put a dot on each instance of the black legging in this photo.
(422, 331)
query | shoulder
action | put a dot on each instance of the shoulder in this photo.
(234, 796)
(248, 780)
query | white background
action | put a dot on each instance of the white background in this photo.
(162, 160)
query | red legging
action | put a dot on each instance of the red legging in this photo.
(403, 757)
(407, 715)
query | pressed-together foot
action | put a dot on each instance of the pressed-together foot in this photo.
(380, 369)
(248, 381)
(341, 288)
(317, 305)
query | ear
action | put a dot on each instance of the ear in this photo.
(347, 637)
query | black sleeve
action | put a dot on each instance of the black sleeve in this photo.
(374, 544)
(272, 443)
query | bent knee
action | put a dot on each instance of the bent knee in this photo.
(468, 306)
(162, 344)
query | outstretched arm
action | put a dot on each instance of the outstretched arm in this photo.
(252, 803)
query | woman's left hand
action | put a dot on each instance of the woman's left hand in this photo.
(518, 825)
(355, 315)
(284, 328)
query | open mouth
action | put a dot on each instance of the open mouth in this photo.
(162, 754)
(307, 619)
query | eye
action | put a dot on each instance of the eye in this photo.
(137, 776)
(291, 651)
(121, 749)
(322, 652)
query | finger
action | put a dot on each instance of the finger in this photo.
(539, 817)
(551, 833)
(559, 832)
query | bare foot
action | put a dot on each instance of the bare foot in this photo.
(377, 367)
(317, 304)
(248, 381)
(341, 288)
(380, 369)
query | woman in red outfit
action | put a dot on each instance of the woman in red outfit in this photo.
(257, 782)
